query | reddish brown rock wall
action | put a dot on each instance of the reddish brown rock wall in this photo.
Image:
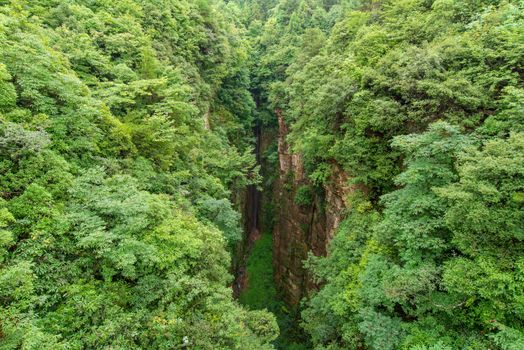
(302, 229)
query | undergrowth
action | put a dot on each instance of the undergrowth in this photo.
(261, 294)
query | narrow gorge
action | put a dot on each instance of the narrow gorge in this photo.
(262, 174)
(378, 208)
(285, 219)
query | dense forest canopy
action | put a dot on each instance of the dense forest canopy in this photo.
(421, 103)
(115, 209)
(126, 142)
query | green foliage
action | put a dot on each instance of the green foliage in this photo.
(442, 265)
(391, 68)
(304, 196)
(261, 294)
(420, 103)
(331, 313)
(115, 212)
(126, 129)
(487, 222)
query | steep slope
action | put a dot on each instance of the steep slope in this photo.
(307, 218)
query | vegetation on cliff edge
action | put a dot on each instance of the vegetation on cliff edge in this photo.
(126, 139)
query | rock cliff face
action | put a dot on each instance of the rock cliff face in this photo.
(300, 229)
(250, 201)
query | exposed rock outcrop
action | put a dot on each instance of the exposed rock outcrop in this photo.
(301, 229)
